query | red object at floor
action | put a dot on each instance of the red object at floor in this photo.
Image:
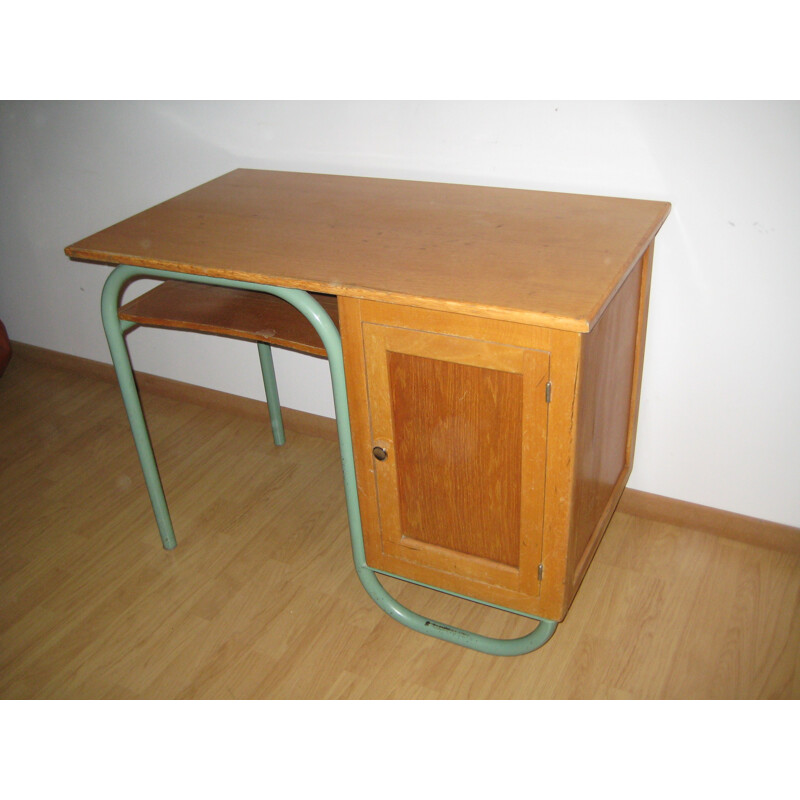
(5, 348)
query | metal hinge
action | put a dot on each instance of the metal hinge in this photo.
(541, 571)
(547, 391)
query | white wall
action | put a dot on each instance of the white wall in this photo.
(719, 420)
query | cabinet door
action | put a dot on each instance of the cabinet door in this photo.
(458, 431)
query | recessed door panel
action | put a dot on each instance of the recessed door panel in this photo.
(459, 433)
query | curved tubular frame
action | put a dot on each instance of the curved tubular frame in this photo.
(329, 334)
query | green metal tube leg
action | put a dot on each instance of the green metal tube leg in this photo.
(329, 334)
(271, 390)
(485, 644)
(130, 397)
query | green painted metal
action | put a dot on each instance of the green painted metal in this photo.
(456, 594)
(271, 390)
(329, 334)
(114, 329)
(484, 644)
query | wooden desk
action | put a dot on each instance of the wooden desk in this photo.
(492, 343)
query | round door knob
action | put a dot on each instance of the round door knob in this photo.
(379, 453)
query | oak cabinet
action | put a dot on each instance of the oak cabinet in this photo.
(490, 454)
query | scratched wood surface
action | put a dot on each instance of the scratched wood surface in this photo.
(539, 257)
(260, 599)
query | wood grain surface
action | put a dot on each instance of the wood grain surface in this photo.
(238, 313)
(458, 429)
(459, 501)
(260, 599)
(605, 390)
(513, 254)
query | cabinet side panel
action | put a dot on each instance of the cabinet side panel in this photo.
(607, 375)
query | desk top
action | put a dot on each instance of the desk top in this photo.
(527, 256)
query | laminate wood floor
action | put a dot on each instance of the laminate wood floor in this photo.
(260, 599)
